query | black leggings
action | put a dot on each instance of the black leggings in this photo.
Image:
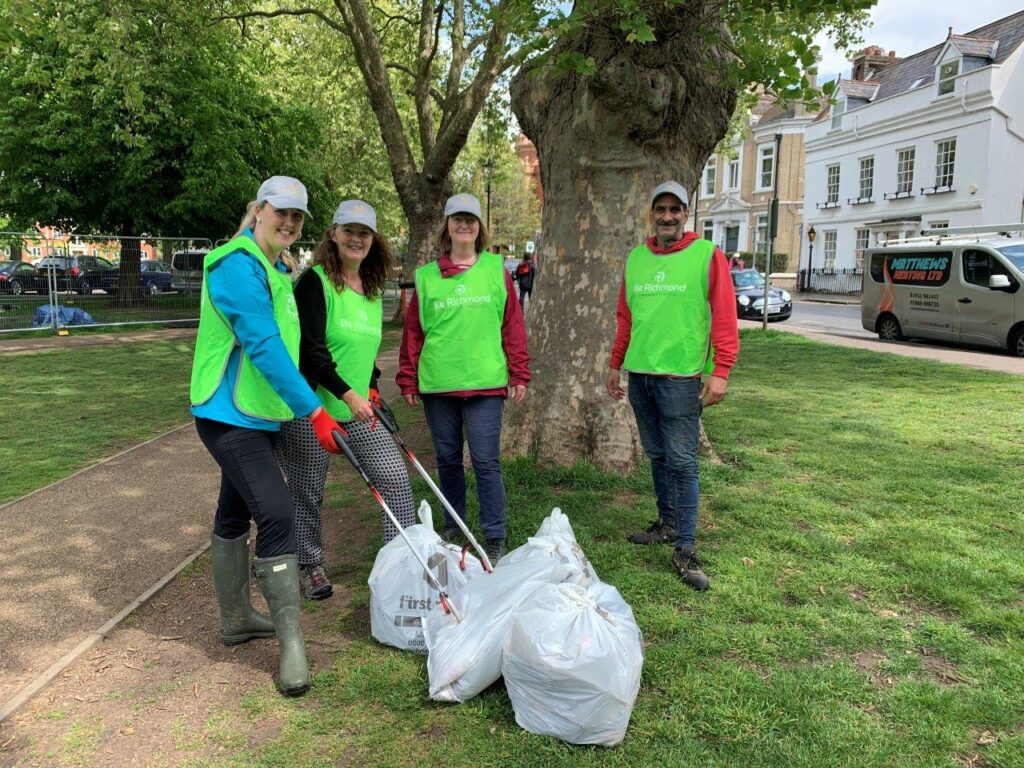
(252, 487)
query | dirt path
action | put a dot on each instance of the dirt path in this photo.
(161, 690)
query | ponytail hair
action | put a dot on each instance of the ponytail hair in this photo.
(249, 219)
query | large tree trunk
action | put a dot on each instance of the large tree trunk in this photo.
(128, 291)
(424, 209)
(651, 113)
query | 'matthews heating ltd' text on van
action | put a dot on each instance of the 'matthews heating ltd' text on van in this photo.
(961, 284)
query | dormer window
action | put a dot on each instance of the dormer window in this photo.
(948, 71)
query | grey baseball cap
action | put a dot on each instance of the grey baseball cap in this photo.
(671, 188)
(284, 192)
(355, 212)
(462, 203)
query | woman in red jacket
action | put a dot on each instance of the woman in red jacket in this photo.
(463, 353)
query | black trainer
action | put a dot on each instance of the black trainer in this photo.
(689, 566)
(451, 533)
(495, 549)
(657, 533)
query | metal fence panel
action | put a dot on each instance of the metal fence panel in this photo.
(111, 280)
(104, 280)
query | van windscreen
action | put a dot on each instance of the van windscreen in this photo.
(1015, 253)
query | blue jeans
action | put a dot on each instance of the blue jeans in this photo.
(479, 419)
(668, 417)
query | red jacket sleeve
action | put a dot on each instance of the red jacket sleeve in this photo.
(513, 338)
(725, 334)
(407, 378)
(624, 327)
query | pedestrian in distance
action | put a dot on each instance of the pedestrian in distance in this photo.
(525, 271)
(463, 353)
(245, 383)
(341, 314)
(676, 322)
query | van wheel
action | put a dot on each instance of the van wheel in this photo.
(1017, 342)
(889, 328)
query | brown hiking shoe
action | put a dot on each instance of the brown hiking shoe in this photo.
(685, 561)
(657, 533)
(315, 584)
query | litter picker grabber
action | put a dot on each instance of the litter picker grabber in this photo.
(446, 604)
(385, 417)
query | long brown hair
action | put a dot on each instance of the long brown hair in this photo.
(249, 222)
(444, 241)
(373, 270)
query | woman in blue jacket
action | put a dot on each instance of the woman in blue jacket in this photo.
(245, 383)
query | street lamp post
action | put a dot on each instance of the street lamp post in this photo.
(488, 170)
(811, 234)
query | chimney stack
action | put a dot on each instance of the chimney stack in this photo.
(870, 61)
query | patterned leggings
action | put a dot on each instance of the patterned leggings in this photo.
(304, 464)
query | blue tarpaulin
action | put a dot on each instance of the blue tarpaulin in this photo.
(65, 316)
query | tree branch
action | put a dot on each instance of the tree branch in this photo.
(283, 12)
(359, 27)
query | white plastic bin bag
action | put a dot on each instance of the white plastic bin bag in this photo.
(400, 593)
(465, 657)
(572, 660)
(556, 526)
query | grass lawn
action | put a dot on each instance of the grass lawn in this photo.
(69, 408)
(864, 543)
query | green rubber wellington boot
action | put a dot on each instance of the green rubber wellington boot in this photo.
(239, 621)
(279, 580)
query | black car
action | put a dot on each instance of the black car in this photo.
(16, 277)
(749, 286)
(78, 273)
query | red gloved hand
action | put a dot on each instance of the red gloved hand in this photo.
(325, 425)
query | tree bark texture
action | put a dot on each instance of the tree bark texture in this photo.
(128, 292)
(650, 113)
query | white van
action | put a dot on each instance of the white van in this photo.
(960, 284)
(187, 271)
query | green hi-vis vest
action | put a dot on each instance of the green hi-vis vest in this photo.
(354, 325)
(461, 317)
(668, 298)
(253, 394)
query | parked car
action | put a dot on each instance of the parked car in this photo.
(187, 270)
(156, 276)
(17, 277)
(78, 273)
(749, 286)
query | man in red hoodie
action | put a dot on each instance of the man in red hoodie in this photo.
(676, 323)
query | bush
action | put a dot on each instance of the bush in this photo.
(780, 261)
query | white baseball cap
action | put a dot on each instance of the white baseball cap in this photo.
(284, 192)
(671, 188)
(355, 212)
(463, 203)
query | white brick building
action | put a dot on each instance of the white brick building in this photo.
(935, 139)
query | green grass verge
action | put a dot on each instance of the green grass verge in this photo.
(863, 539)
(68, 408)
(864, 542)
